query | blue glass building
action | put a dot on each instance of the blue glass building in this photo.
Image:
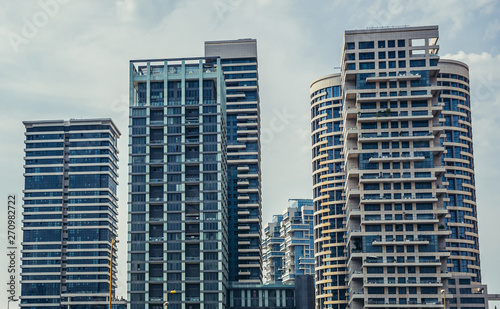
(70, 213)
(239, 64)
(177, 184)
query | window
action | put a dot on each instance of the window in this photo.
(350, 46)
(381, 44)
(401, 43)
(366, 45)
(367, 65)
(366, 56)
(391, 43)
(417, 63)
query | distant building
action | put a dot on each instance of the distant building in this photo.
(70, 213)
(272, 255)
(288, 243)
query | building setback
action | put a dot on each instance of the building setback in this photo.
(177, 184)
(240, 67)
(70, 213)
(393, 174)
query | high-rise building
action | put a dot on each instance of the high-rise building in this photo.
(297, 233)
(288, 243)
(70, 213)
(177, 184)
(458, 160)
(272, 256)
(328, 187)
(239, 64)
(392, 145)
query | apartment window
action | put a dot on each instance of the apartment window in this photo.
(366, 56)
(382, 65)
(402, 64)
(367, 66)
(417, 63)
(392, 64)
(391, 43)
(381, 44)
(350, 45)
(366, 45)
(401, 43)
(381, 55)
(391, 54)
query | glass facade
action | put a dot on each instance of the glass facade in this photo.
(239, 64)
(177, 184)
(70, 213)
(463, 242)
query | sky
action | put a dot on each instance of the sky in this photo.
(62, 59)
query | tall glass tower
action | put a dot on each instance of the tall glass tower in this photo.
(70, 213)
(463, 243)
(239, 64)
(177, 184)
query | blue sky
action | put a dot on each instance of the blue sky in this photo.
(69, 59)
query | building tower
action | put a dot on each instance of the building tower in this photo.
(392, 153)
(288, 244)
(239, 63)
(298, 245)
(177, 184)
(70, 213)
(328, 187)
(458, 160)
(272, 256)
(409, 172)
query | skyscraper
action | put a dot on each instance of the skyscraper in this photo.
(463, 244)
(272, 256)
(288, 243)
(177, 184)
(70, 213)
(239, 64)
(297, 232)
(328, 187)
(392, 145)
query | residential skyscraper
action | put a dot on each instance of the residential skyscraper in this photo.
(458, 160)
(288, 243)
(177, 184)
(392, 144)
(239, 64)
(297, 232)
(328, 188)
(70, 213)
(272, 256)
